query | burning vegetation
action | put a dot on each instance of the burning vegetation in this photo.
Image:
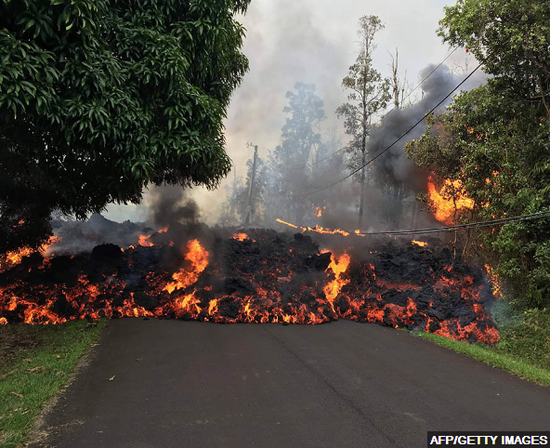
(449, 200)
(259, 277)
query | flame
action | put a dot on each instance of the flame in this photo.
(316, 229)
(13, 258)
(198, 257)
(495, 281)
(338, 266)
(445, 206)
(319, 211)
(45, 248)
(270, 289)
(420, 243)
(286, 223)
(240, 236)
(144, 241)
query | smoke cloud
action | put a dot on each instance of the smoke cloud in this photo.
(315, 42)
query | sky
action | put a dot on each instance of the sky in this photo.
(315, 42)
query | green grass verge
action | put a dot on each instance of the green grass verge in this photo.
(34, 372)
(512, 363)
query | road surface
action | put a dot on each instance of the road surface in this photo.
(339, 385)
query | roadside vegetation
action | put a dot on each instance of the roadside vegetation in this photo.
(524, 346)
(494, 141)
(35, 364)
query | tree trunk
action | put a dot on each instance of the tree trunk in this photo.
(249, 207)
(363, 178)
(363, 160)
(395, 78)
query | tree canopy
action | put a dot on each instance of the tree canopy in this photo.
(299, 138)
(99, 98)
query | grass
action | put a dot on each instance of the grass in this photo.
(35, 363)
(524, 347)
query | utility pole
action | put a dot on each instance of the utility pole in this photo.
(248, 213)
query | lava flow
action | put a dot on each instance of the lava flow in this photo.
(13, 258)
(259, 277)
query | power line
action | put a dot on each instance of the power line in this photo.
(480, 224)
(395, 142)
(424, 231)
(430, 74)
(319, 161)
(404, 99)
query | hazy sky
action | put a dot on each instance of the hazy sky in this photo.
(312, 41)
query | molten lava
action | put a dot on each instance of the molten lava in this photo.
(338, 266)
(449, 200)
(240, 236)
(144, 241)
(317, 229)
(198, 259)
(286, 223)
(419, 243)
(13, 258)
(266, 277)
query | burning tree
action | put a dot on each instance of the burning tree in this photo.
(494, 139)
(369, 95)
(99, 99)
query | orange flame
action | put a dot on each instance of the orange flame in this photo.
(319, 211)
(495, 280)
(445, 206)
(420, 243)
(13, 258)
(316, 229)
(45, 248)
(286, 223)
(335, 296)
(199, 261)
(240, 236)
(338, 266)
(144, 241)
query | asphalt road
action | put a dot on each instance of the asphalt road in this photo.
(189, 384)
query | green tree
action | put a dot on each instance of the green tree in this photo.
(99, 98)
(496, 138)
(369, 95)
(511, 39)
(298, 139)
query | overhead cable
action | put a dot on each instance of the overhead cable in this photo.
(491, 223)
(404, 99)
